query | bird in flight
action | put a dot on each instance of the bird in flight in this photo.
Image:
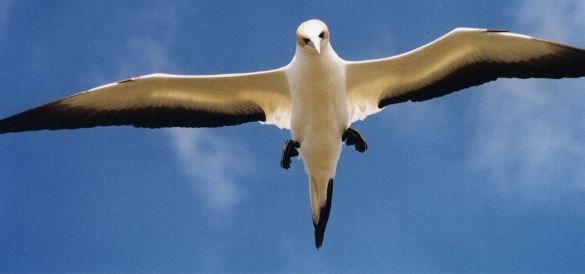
(318, 95)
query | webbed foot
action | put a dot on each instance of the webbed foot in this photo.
(289, 151)
(352, 137)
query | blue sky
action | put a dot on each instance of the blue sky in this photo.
(489, 179)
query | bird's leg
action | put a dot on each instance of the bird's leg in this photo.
(290, 150)
(352, 137)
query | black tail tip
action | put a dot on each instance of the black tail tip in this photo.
(323, 217)
(319, 234)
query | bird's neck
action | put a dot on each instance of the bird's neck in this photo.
(326, 56)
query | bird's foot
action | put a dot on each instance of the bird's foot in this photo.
(352, 137)
(290, 150)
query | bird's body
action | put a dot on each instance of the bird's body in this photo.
(317, 95)
(319, 116)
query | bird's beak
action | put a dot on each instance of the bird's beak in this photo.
(316, 44)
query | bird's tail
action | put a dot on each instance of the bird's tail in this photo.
(321, 193)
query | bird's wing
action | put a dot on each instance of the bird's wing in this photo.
(163, 100)
(460, 59)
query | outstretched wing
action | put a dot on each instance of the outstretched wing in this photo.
(163, 100)
(460, 59)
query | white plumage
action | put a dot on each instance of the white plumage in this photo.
(317, 95)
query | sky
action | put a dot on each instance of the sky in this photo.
(489, 179)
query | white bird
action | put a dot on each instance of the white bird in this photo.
(318, 95)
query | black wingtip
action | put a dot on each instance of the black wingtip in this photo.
(497, 30)
(323, 217)
(2, 127)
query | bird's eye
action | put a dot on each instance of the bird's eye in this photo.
(322, 35)
(307, 41)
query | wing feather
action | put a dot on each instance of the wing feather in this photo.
(163, 100)
(458, 60)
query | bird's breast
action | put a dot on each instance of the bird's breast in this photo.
(319, 106)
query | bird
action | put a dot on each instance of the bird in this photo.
(317, 96)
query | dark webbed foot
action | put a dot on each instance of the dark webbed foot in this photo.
(352, 137)
(289, 151)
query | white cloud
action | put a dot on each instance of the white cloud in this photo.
(529, 141)
(212, 163)
(559, 20)
(529, 133)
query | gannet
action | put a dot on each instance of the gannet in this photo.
(318, 95)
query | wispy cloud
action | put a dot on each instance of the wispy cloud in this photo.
(212, 163)
(560, 20)
(528, 141)
(528, 135)
(207, 159)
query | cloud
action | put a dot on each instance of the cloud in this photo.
(560, 20)
(528, 138)
(207, 159)
(527, 143)
(212, 163)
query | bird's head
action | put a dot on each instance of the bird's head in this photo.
(312, 35)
